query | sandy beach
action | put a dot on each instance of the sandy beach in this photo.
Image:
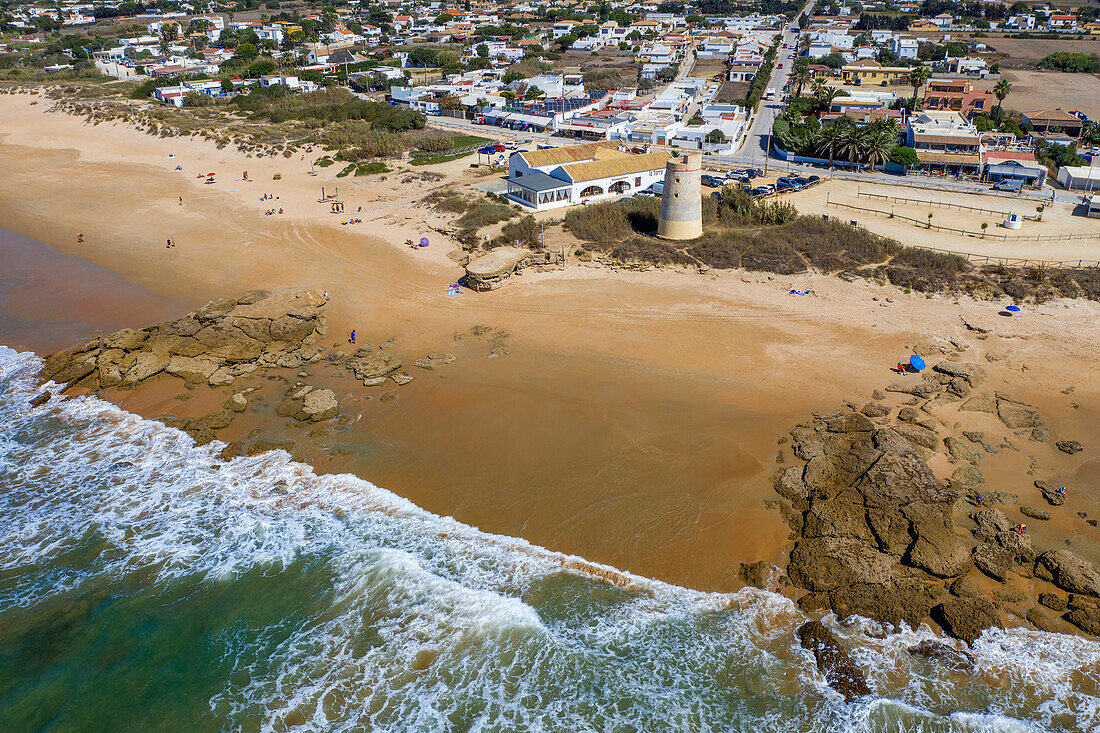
(634, 421)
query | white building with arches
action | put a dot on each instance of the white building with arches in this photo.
(576, 174)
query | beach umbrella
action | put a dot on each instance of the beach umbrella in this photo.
(916, 362)
(1013, 308)
(423, 241)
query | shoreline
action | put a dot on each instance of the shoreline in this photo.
(671, 366)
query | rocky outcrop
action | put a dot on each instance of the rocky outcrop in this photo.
(834, 662)
(1069, 572)
(309, 404)
(877, 534)
(216, 344)
(966, 618)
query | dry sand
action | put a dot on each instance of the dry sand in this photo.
(635, 421)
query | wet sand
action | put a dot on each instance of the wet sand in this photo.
(633, 423)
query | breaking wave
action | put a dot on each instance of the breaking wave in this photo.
(145, 581)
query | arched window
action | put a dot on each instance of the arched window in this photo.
(620, 186)
(591, 191)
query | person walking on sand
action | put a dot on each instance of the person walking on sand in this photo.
(326, 296)
(181, 200)
(80, 237)
(168, 243)
(352, 339)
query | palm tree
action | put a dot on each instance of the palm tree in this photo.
(917, 77)
(1001, 90)
(877, 145)
(801, 75)
(828, 95)
(820, 85)
(851, 143)
(828, 141)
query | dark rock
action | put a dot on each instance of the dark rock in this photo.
(213, 421)
(873, 409)
(878, 394)
(1034, 513)
(971, 373)
(943, 653)
(1052, 601)
(40, 399)
(918, 389)
(1017, 415)
(760, 575)
(848, 422)
(814, 601)
(960, 451)
(967, 618)
(1044, 621)
(1050, 493)
(1039, 435)
(967, 476)
(823, 563)
(308, 404)
(1086, 619)
(993, 560)
(991, 522)
(964, 588)
(907, 414)
(838, 667)
(840, 517)
(1077, 600)
(1069, 446)
(1069, 572)
(959, 387)
(790, 486)
(938, 549)
(974, 436)
(374, 365)
(904, 599)
(917, 435)
(979, 403)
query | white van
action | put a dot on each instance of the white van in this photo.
(769, 95)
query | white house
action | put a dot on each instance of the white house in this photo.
(574, 174)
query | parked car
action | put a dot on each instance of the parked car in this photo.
(759, 191)
(803, 181)
(657, 188)
(753, 173)
(813, 179)
(498, 148)
(712, 181)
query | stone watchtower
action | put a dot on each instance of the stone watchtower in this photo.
(682, 200)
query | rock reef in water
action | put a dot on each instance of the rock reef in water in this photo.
(215, 344)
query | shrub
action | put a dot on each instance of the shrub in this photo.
(198, 99)
(611, 221)
(525, 231)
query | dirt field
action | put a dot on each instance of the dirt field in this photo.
(1032, 90)
(706, 68)
(732, 91)
(1026, 52)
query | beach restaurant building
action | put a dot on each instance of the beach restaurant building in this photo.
(575, 174)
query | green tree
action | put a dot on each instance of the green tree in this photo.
(917, 77)
(715, 136)
(247, 51)
(482, 50)
(904, 155)
(851, 143)
(828, 142)
(800, 74)
(1001, 90)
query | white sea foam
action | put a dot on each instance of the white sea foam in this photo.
(428, 624)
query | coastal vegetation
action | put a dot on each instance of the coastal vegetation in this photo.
(771, 237)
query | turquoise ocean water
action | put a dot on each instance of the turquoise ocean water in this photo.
(147, 585)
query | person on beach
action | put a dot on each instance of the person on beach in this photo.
(1062, 491)
(80, 237)
(168, 243)
(981, 501)
(352, 339)
(326, 296)
(181, 200)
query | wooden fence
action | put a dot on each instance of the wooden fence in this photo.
(993, 236)
(939, 204)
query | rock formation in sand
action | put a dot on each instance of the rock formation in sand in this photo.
(216, 344)
(877, 534)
